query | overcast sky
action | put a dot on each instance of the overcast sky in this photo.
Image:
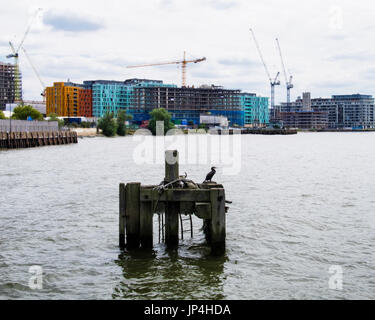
(328, 46)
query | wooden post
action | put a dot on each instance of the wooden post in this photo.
(132, 199)
(171, 208)
(217, 227)
(206, 227)
(122, 217)
(171, 165)
(146, 224)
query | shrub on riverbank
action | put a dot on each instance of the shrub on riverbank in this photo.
(121, 118)
(54, 117)
(160, 114)
(108, 124)
(23, 112)
(86, 124)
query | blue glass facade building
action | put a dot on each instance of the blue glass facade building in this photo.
(112, 96)
(107, 96)
(255, 109)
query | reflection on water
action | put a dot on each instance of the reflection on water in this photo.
(170, 274)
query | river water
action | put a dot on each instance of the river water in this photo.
(302, 204)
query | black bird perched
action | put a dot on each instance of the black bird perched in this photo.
(210, 174)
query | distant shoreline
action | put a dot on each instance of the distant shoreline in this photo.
(92, 132)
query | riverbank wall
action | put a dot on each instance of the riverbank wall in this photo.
(15, 140)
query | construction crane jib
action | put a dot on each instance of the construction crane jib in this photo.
(288, 82)
(273, 82)
(183, 63)
(36, 73)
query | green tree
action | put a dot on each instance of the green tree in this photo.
(22, 112)
(2, 115)
(85, 124)
(54, 117)
(108, 124)
(121, 118)
(160, 115)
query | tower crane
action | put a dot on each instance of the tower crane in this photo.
(183, 63)
(14, 54)
(273, 82)
(288, 83)
(36, 73)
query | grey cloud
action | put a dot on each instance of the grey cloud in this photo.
(70, 22)
(61, 67)
(166, 3)
(335, 84)
(85, 72)
(239, 62)
(246, 86)
(205, 74)
(369, 74)
(116, 61)
(359, 56)
(337, 37)
(222, 4)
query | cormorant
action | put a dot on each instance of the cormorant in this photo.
(210, 174)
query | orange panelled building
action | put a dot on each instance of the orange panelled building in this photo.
(85, 102)
(68, 99)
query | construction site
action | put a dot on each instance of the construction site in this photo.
(185, 103)
(10, 74)
(10, 84)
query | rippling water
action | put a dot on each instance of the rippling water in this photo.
(301, 204)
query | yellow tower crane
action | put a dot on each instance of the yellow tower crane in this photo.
(183, 63)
